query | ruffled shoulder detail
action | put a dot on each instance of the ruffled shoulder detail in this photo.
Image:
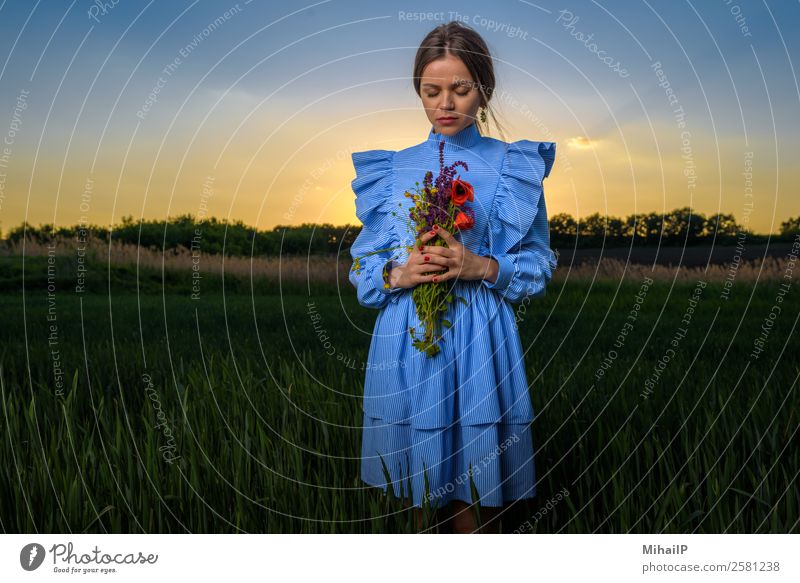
(525, 166)
(373, 187)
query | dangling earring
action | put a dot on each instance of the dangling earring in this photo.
(483, 115)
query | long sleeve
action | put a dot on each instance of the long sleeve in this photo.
(368, 281)
(373, 189)
(520, 228)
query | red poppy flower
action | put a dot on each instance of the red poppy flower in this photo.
(461, 192)
(464, 221)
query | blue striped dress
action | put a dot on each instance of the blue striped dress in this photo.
(435, 426)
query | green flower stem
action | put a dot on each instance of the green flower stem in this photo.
(357, 261)
(431, 300)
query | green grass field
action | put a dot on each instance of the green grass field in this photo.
(259, 429)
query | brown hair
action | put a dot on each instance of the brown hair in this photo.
(465, 43)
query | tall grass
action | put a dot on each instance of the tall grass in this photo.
(266, 420)
(327, 270)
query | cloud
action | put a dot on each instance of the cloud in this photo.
(582, 142)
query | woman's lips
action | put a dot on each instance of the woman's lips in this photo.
(446, 120)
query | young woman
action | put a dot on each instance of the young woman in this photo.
(462, 417)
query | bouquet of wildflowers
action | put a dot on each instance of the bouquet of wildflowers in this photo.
(439, 202)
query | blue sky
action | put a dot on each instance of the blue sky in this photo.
(270, 100)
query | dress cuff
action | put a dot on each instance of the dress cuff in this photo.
(377, 277)
(504, 273)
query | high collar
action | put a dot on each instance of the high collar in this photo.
(465, 138)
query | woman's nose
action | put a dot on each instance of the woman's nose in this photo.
(447, 102)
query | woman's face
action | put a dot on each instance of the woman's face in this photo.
(449, 91)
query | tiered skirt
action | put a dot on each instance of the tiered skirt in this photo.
(495, 458)
(461, 420)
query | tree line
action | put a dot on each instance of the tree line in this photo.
(210, 236)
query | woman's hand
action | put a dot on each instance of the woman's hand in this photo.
(460, 262)
(419, 265)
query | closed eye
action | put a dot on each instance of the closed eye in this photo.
(461, 93)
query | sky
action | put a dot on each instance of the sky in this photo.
(250, 110)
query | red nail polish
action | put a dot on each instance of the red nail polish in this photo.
(436, 279)
(427, 258)
(435, 227)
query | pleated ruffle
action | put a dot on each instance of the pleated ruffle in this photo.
(373, 188)
(497, 457)
(525, 166)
